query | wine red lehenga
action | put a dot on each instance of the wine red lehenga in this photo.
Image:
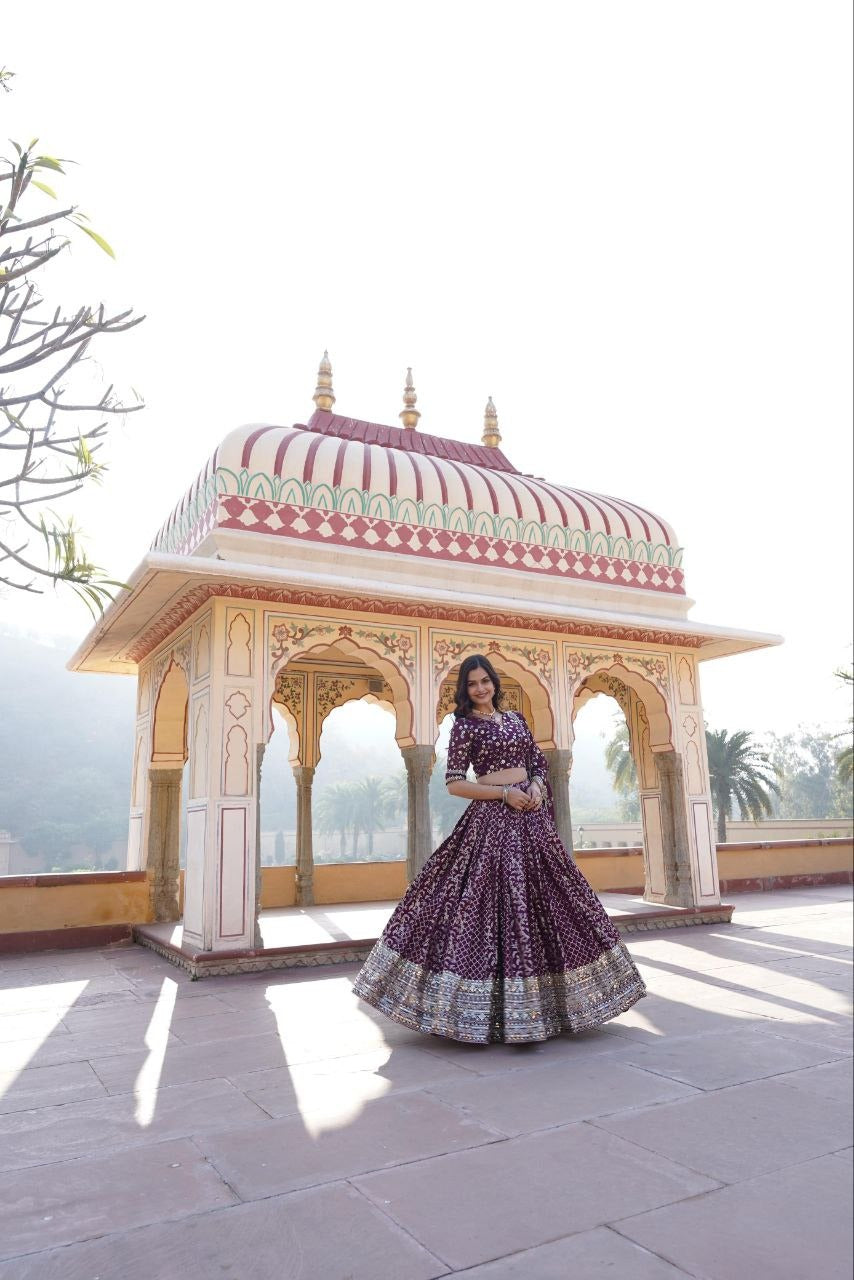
(500, 937)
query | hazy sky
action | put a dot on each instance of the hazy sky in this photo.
(630, 223)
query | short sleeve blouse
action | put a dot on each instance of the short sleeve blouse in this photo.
(488, 746)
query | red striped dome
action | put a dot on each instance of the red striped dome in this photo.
(341, 480)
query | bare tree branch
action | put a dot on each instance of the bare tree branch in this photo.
(43, 351)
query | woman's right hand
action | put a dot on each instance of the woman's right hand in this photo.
(518, 799)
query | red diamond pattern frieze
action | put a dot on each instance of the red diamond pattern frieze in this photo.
(255, 515)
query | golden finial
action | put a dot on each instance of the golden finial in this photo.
(324, 396)
(410, 415)
(491, 435)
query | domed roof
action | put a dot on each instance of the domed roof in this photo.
(339, 480)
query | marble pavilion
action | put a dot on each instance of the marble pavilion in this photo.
(313, 564)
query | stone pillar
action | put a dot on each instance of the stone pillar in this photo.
(419, 763)
(304, 775)
(560, 763)
(259, 760)
(164, 841)
(674, 831)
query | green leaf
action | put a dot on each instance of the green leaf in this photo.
(47, 162)
(42, 186)
(99, 240)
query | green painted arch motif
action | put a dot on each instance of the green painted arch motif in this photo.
(405, 510)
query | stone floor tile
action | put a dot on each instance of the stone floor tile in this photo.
(655, 1016)
(300, 1151)
(495, 1059)
(786, 1225)
(474, 1206)
(48, 1086)
(186, 1062)
(837, 1035)
(79, 1199)
(226, 1026)
(833, 1080)
(335, 1086)
(72, 1047)
(109, 989)
(738, 1132)
(29, 1026)
(19, 976)
(714, 1061)
(50, 1134)
(556, 1094)
(327, 1233)
(599, 1254)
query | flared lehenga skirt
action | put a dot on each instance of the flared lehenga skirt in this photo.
(500, 938)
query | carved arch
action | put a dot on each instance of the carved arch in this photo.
(397, 671)
(652, 698)
(169, 721)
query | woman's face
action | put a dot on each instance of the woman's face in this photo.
(480, 689)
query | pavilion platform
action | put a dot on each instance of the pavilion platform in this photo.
(343, 933)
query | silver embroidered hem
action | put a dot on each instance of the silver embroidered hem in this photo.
(506, 1010)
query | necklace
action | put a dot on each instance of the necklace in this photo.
(486, 715)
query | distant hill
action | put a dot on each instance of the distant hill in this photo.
(66, 742)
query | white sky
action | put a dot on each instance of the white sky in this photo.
(630, 223)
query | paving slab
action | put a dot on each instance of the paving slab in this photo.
(28, 1026)
(737, 1132)
(656, 1016)
(713, 1061)
(47, 1135)
(558, 1094)
(110, 989)
(498, 1059)
(337, 1086)
(301, 1151)
(79, 1199)
(837, 1035)
(184, 1063)
(479, 1205)
(786, 1225)
(599, 1254)
(833, 1080)
(331, 1232)
(48, 1086)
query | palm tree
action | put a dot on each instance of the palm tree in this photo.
(845, 759)
(334, 811)
(618, 758)
(371, 807)
(397, 793)
(739, 772)
(621, 766)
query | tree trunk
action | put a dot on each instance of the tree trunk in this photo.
(721, 825)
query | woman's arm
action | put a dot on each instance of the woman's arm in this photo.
(489, 791)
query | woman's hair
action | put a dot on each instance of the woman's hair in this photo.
(464, 705)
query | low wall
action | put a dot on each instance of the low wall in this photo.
(83, 908)
(336, 882)
(93, 908)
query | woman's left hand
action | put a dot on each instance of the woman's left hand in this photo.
(535, 797)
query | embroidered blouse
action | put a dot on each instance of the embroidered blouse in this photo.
(489, 746)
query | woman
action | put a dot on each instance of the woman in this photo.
(500, 937)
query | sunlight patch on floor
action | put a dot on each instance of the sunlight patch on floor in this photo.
(42, 1022)
(329, 1100)
(156, 1038)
